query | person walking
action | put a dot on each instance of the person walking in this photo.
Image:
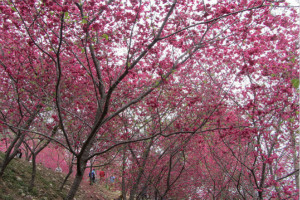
(92, 176)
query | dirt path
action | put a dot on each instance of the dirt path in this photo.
(98, 192)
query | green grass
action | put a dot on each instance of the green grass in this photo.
(16, 179)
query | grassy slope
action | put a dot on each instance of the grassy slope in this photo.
(15, 182)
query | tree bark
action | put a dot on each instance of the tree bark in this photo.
(33, 172)
(67, 177)
(8, 156)
(123, 174)
(75, 186)
(295, 158)
(17, 141)
(81, 166)
(141, 171)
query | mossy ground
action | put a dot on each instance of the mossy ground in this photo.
(15, 184)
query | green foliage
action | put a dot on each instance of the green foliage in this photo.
(292, 119)
(293, 59)
(105, 36)
(67, 15)
(295, 83)
(14, 9)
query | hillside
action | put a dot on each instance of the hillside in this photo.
(14, 185)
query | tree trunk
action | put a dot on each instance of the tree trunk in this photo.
(75, 185)
(123, 174)
(10, 154)
(18, 141)
(81, 165)
(295, 158)
(82, 159)
(141, 171)
(5, 162)
(67, 177)
(33, 172)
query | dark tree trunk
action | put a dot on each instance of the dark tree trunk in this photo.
(67, 177)
(123, 174)
(11, 152)
(75, 185)
(134, 189)
(17, 141)
(5, 162)
(33, 172)
(81, 165)
(295, 158)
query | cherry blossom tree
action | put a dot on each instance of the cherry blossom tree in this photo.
(35, 146)
(103, 70)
